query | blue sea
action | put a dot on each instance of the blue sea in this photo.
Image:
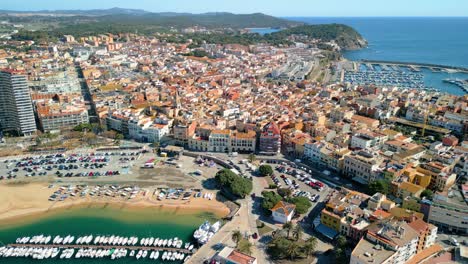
(425, 40)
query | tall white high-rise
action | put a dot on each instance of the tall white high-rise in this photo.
(16, 110)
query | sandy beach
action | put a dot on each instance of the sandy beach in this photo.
(26, 202)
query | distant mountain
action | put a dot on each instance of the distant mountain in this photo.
(79, 12)
(142, 17)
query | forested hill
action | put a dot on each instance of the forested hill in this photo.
(345, 36)
(145, 20)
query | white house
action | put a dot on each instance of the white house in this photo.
(283, 212)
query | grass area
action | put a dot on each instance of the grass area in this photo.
(263, 230)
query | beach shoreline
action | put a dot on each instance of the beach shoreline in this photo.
(22, 204)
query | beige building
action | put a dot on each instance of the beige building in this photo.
(362, 166)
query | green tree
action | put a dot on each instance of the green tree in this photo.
(427, 193)
(265, 170)
(293, 250)
(341, 241)
(233, 183)
(285, 192)
(244, 246)
(118, 138)
(302, 204)
(309, 246)
(340, 256)
(381, 186)
(236, 237)
(288, 226)
(252, 158)
(298, 232)
(269, 200)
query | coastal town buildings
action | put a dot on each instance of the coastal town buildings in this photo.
(255, 99)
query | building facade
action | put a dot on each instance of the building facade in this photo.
(16, 109)
(270, 139)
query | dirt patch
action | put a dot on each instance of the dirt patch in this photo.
(158, 173)
(166, 176)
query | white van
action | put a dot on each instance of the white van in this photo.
(454, 241)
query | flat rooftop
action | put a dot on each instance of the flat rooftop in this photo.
(368, 252)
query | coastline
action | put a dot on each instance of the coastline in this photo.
(23, 204)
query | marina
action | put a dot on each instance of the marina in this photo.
(107, 246)
(407, 76)
(38, 247)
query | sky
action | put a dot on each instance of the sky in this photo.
(334, 8)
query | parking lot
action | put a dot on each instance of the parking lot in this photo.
(60, 165)
(300, 182)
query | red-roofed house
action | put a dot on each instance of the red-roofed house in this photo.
(231, 256)
(283, 212)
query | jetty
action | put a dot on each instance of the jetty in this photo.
(416, 65)
(463, 84)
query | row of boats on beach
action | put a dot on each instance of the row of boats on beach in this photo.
(68, 253)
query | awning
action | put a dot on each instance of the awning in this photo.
(326, 231)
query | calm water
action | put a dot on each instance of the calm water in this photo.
(424, 40)
(100, 221)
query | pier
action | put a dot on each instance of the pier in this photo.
(180, 250)
(416, 65)
(460, 83)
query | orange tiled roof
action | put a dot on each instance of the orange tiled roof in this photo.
(283, 208)
(240, 258)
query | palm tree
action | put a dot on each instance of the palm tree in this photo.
(245, 246)
(252, 158)
(297, 232)
(236, 237)
(288, 226)
(293, 250)
(309, 246)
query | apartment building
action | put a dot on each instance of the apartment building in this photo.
(388, 241)
(59, 112)
(219, 140)
(427, 233)
(270, 139)
(145, 130)
(64, 119)
(365, 139)
(16, 109)
(183, 132)
(362, 166)
(448, 214)
(243, 142)
(344, 212)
